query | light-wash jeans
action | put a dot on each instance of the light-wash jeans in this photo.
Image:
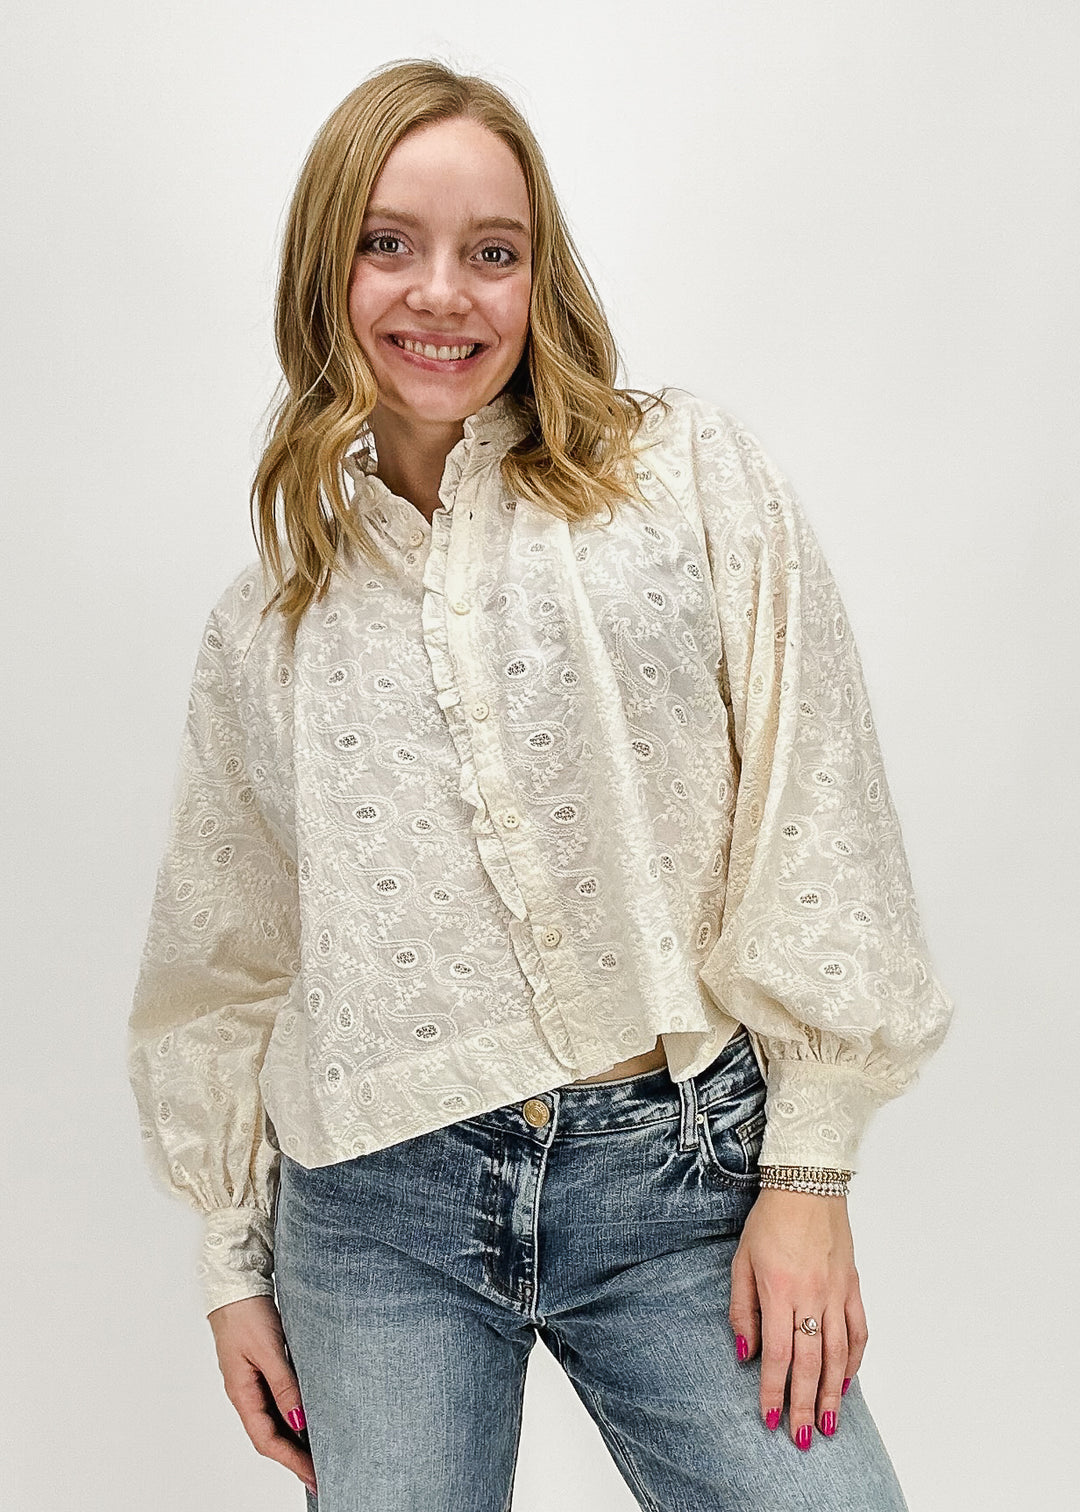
(412, 1283)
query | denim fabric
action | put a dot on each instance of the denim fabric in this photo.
(412, 1283)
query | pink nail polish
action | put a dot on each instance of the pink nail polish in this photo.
(772, 1418)
(296, 1419)
(844, 1387)
(742, 1348)
(804, 1435)
(828, 1423)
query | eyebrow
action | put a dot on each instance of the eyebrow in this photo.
(488, 223)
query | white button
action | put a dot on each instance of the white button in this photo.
(551, 936)
(511, 819)
(459, 606)
(480, 710)
(417, 538)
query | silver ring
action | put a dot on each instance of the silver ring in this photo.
(809, 1325)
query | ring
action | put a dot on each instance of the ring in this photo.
(809, 1325)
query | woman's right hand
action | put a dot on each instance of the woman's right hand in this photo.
(260, 1381)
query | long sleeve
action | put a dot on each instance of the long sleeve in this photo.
(220, 954)
(821, 952)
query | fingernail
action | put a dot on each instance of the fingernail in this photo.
(742, 1348)
(828, 1423)
(772, 1418)
(804, 1435)
(296, 1420)
(844, 1387)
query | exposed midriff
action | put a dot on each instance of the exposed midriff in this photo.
(651, 1060)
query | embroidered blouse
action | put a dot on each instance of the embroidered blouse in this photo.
(510, 810)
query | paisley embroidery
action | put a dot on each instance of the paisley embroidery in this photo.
(542, 792)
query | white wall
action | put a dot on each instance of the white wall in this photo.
(854, 224)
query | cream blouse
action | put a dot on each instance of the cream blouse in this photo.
(511, 810)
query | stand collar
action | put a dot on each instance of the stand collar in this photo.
(494, 428)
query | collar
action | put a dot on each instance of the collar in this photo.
(490, 432)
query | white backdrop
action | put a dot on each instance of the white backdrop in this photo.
(852, 223)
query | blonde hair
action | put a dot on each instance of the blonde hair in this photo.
(576, 456)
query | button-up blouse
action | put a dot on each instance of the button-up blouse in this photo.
(509, 810)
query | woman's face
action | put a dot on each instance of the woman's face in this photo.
(443, 261)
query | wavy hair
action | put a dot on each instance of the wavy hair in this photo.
(575, 458)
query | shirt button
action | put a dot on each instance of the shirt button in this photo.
(480, 710)
(460, 606)
(551, 936)
(536, 1112)
(417, 538)
(511, 819)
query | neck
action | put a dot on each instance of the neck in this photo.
(412, 457)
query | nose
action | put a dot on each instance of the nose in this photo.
(439, 287)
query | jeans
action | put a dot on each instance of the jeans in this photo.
(412, 1283)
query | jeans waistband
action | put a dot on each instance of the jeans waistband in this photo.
(635, 1101)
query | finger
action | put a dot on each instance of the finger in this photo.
(775, 1359)
(857, 1334)
(834, 1364)
(250, 1395)
(285, 1389)
(805, 1375)
(743, 1309)
(283, 1385)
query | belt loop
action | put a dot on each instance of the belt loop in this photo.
(688, 1116)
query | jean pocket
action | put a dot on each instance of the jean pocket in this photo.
(732, 1130)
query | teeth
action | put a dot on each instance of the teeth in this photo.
(438, 354)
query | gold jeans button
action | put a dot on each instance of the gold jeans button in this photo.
(536, 1112)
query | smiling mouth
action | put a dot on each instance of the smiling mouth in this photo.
(438, 353)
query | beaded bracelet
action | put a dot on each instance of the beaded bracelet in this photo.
(823, 1181)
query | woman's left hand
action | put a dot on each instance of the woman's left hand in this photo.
(795, 1260)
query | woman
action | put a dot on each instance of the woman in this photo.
(535, 936)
